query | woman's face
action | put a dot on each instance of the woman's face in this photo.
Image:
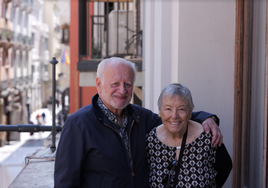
(175, 114)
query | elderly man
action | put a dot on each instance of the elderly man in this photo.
(103, 144)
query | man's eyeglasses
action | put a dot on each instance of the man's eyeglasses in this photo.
(169, 177)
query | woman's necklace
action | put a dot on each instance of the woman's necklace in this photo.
(179, 147)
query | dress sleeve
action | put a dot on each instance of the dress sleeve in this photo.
(223, 165)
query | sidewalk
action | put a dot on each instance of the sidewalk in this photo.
(43, 161)
(7, 150)
(12, 156)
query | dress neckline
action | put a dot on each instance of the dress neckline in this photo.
(175, 147)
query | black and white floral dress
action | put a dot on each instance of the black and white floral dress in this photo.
(195, 170)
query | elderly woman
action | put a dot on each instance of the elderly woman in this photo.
(179, 152)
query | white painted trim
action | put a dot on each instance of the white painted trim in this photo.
(175, 44)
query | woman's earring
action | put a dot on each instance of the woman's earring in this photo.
(159, 115)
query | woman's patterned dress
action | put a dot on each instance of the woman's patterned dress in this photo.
(196, 169)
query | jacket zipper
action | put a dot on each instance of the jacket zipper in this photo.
(133, 174)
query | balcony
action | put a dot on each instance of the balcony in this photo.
(21, 81)
(13, 83)
(27, 42)
(16, 3)
(7, 37)
(29, 6)
(19, 38)
(4, 85)
(7, 1)
(23, 5)
(27, 81)
(114, 33)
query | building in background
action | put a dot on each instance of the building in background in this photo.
(32, 32)
(16, 44)
(40, 56)
(57, 15)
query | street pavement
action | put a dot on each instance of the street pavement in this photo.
(12, 156)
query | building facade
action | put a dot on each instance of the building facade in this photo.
(40, 56)
(57, 16)
(31, 34)
(16, 44)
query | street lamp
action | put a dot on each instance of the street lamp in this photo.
(53, 62)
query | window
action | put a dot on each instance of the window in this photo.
(46, 43)
(6, 12)
(13, 58)
(65, 34)
(32, 41)
(3, 57)
(26, 22)
(13, 13)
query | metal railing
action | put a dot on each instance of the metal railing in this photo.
(95, 29)
(27, 128)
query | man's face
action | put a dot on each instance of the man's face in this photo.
(115, 86)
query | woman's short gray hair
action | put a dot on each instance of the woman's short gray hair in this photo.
(176, 90)
(112, 60)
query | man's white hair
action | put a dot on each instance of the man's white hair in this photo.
(114, 60)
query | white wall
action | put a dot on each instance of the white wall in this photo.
(148, 54)
(157, 50)
(193, 43)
